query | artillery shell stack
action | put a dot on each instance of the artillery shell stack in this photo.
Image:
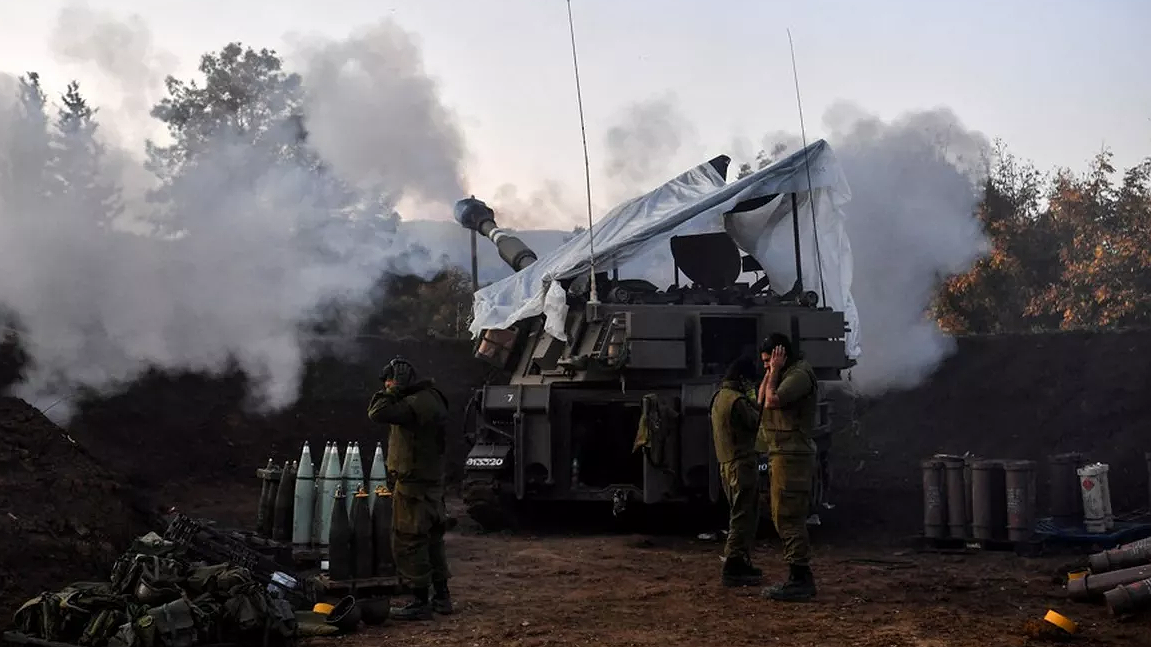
(296, 504)
(978, 503)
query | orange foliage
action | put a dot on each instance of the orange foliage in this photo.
(1074, 252)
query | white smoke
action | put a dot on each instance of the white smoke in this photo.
(643, 146)
(548, 207)
(915, 183)
(249, 234)
(118, 55)
(376, 116)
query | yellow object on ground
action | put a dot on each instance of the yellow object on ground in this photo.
(1063, 622)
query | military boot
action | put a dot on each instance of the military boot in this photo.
(738, 571)
(799, 587)
(441, 599)
(417, 609)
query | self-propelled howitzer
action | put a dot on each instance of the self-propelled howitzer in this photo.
(619, 410)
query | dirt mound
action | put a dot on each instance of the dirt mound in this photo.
(1009, 396)
(193, 429)
(13, 359)
(61, 510)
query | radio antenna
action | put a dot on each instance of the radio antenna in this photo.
(586, 162)
(807, 168)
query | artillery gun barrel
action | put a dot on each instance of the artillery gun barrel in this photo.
(473, 214)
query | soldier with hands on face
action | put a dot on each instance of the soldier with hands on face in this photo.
(417, 413)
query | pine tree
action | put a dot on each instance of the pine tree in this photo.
(80, 162)
(25, 183)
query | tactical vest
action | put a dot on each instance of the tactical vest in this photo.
(732, 442)
(788, 430)
(416, 454)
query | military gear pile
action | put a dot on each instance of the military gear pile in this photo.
(157, 597)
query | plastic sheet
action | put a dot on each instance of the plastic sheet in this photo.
(695, 202)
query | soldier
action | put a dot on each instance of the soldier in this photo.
(417, 413)
(788, 395)
(734, 422)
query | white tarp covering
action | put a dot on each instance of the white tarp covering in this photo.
(695, 202)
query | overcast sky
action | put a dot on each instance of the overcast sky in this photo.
(1055, 79)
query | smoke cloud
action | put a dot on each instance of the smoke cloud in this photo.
(250, 230)
(641, 148)
(643, 145)
(121, 56)
(915, 184)
(375, 115)
(548, 207)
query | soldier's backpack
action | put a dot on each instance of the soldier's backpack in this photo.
(84, 613)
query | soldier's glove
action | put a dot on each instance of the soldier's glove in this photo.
(400, 372)
(404, 375)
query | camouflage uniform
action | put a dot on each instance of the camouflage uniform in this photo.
(786, 432)
(733, 423)
(418, 418)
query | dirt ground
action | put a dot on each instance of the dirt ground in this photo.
(559, 588)
(645, 591)
(187, 441)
